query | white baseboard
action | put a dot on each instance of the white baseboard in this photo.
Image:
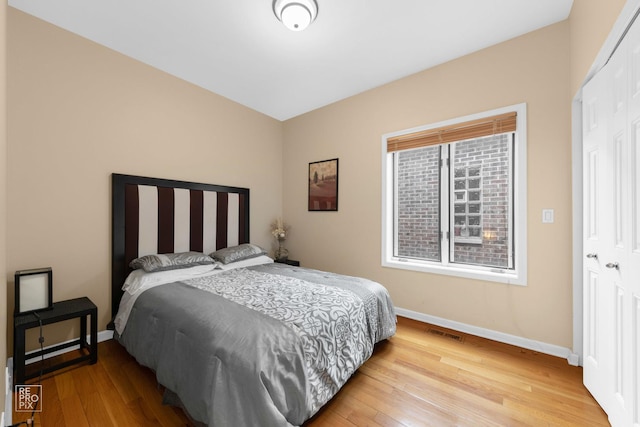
(551, 349)
(8, 406)
(7, 415)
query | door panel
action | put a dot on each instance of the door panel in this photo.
(598, 324)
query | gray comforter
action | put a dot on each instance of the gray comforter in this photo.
(259, 346)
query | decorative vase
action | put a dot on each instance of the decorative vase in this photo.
(282, 254)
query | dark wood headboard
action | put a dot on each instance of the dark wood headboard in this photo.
(151, 215)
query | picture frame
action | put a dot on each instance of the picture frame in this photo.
(33, 290)
(323, 185)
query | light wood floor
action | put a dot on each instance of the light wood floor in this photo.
(423, 376)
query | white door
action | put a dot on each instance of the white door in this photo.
(611, 116)
(597, 295)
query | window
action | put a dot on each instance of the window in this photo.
(454, 197)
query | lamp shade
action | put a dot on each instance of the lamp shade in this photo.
(296, 15)
(34, 289)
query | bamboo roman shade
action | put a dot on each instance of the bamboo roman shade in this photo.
(458, 132)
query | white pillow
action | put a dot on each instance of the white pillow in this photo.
(138, 279)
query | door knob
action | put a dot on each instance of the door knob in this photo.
(593, 256)
(613, 265)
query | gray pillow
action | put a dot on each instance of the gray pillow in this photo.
(162, 262)
(237, 253)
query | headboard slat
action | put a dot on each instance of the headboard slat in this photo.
(222, 212)
(196, 230)
(132, 222)
(166, 231)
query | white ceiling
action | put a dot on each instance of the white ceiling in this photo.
(238, 49)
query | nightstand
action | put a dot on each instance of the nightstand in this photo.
(292, 262)
(64, 310)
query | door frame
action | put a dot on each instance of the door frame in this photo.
(626, 17)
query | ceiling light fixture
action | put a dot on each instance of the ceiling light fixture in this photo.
(296, 15)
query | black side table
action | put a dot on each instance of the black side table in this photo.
(63, 310)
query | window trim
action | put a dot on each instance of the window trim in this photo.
(518, 276)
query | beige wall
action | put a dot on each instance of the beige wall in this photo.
(590, 23)
(77, 113)
(540, 69)
(3, 188)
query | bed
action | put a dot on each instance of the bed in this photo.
(235, 338)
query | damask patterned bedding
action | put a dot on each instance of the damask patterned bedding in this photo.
(258, 345)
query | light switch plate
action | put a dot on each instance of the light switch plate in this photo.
(547, 216)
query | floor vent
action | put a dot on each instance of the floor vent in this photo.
(446, 335)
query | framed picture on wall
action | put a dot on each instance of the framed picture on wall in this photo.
(323, 185)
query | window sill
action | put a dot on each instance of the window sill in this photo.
(478, 273)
